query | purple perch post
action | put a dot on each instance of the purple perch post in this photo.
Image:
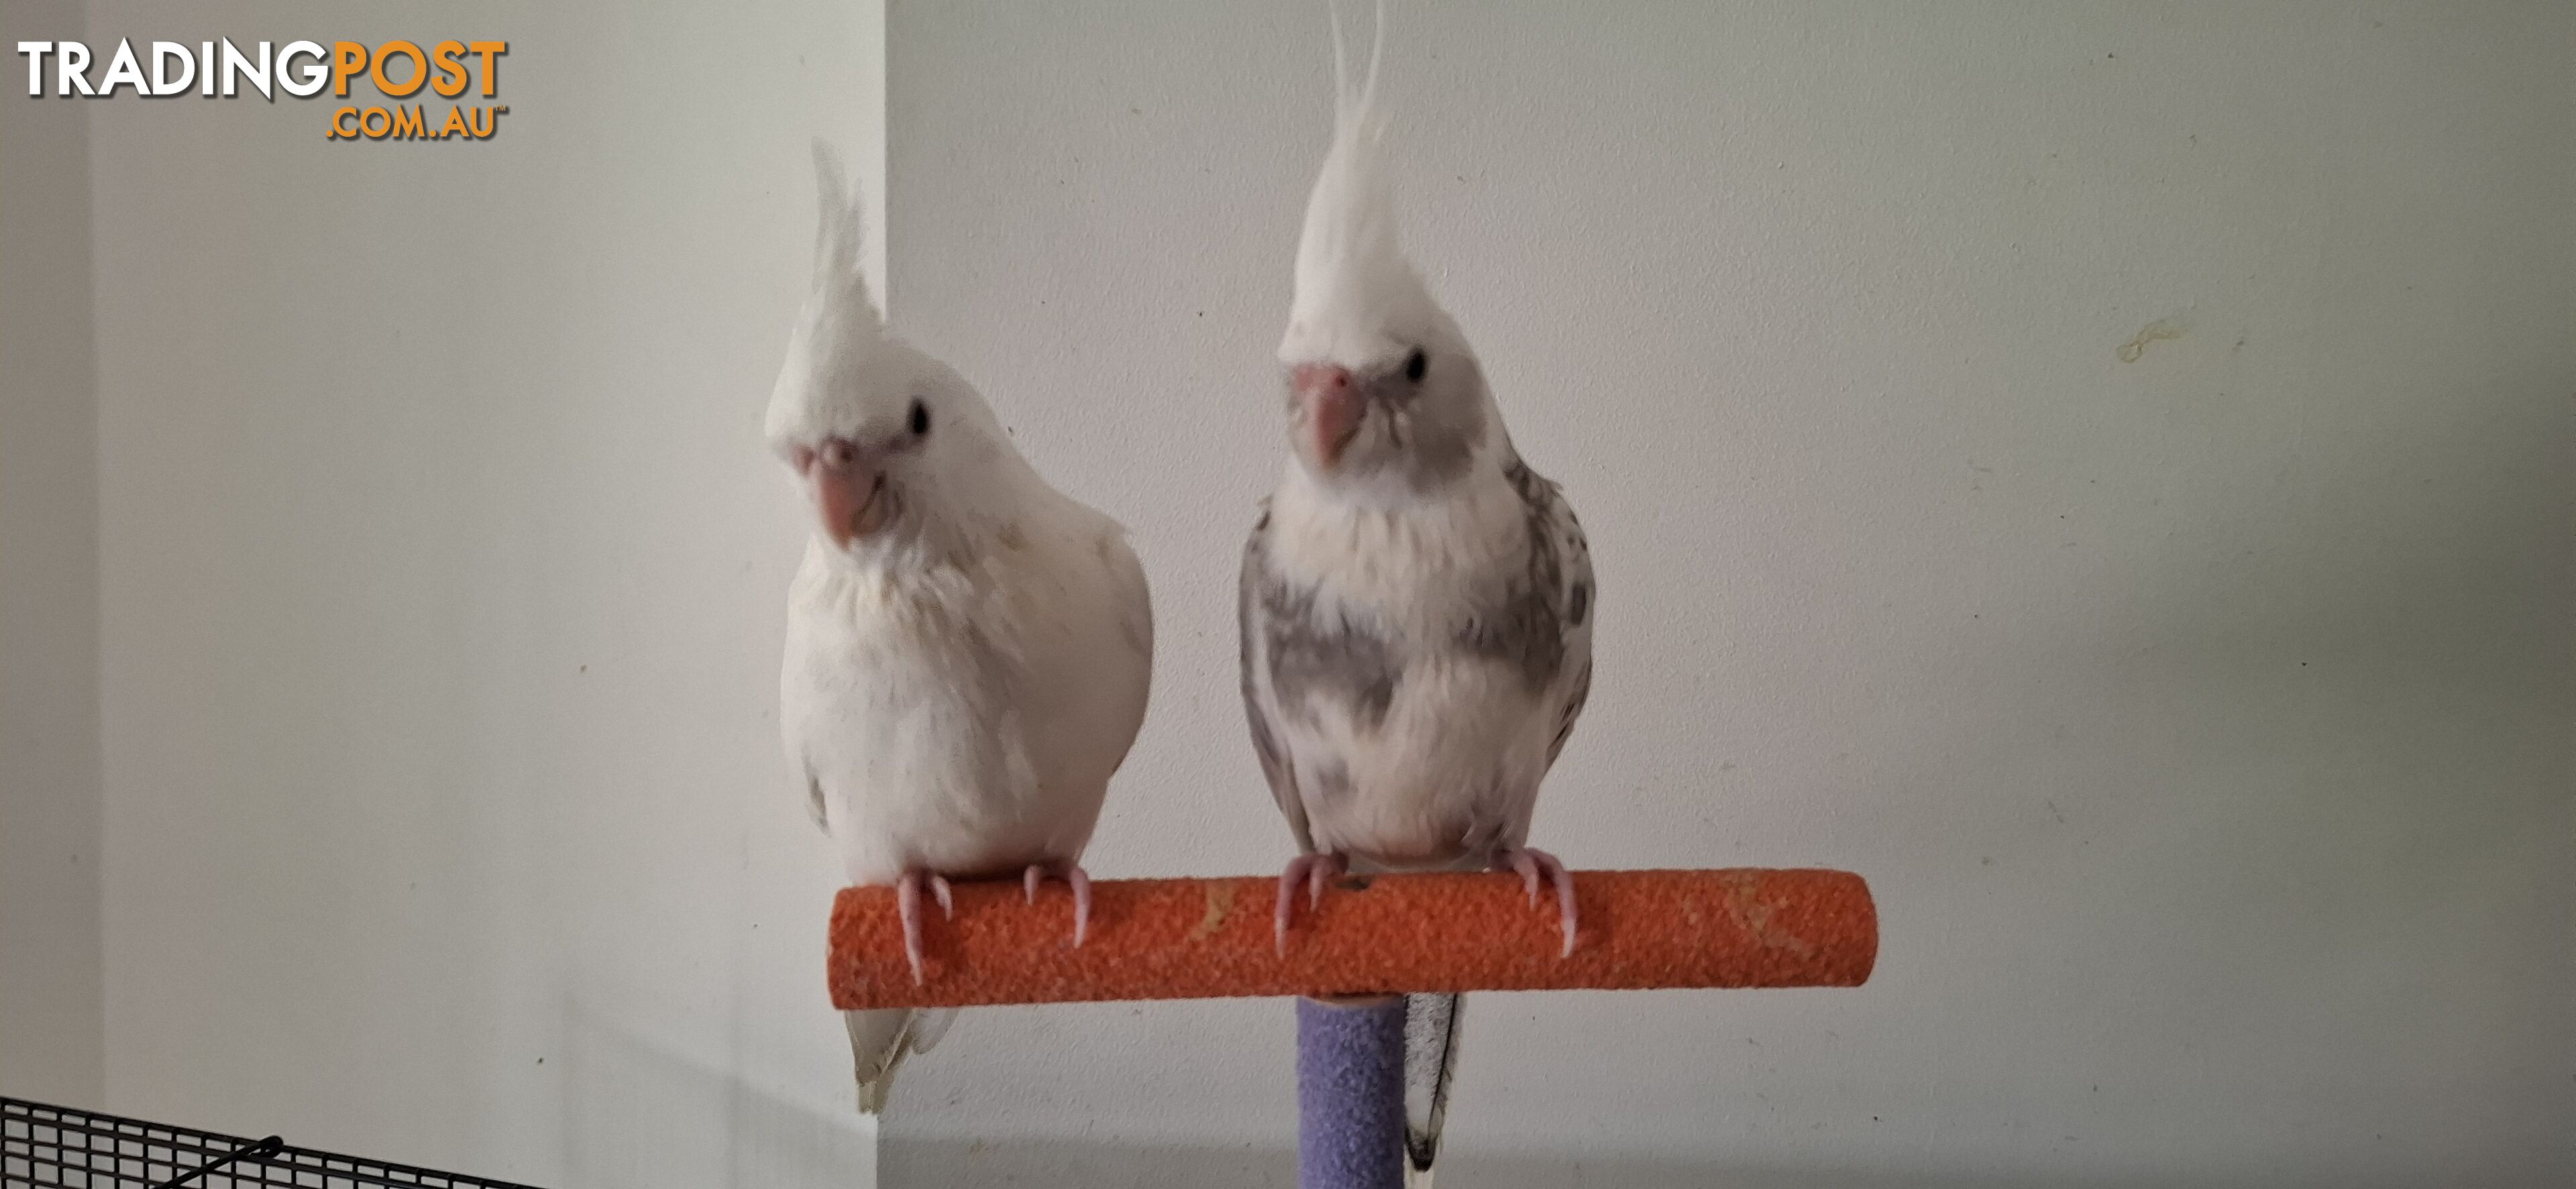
(1350, 1095)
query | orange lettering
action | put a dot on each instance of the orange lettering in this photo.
(400, 49)
(351, 60)
(451, 70)
(488, 50)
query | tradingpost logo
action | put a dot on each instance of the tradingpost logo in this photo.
(396, 70)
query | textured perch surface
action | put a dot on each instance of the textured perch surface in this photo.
(1212, 938)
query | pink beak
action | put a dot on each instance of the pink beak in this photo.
(1332, 409)
(848, 488)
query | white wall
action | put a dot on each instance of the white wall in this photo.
(50, 1038)
(2201, 721)
(442, 569)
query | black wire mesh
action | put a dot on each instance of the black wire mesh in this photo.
(58, 1147)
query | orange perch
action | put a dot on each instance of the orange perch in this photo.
(1211, 938)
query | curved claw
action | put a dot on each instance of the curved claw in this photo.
(1081, 881)
(1532, 863)
(907, 900)
(1289, 878)
(1314, 871)
(1071, 873)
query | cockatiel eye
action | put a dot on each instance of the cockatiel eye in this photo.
(920, 419)
(1415, 364)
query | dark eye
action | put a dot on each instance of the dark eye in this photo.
(1414, 365)
(920, 418)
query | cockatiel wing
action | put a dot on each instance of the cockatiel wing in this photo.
(880, 1040)
(1552, 521)
(1255, 589)
(1135, 613)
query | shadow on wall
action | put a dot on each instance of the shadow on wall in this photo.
(912, 1163)
(52, 984)
(640, 1112)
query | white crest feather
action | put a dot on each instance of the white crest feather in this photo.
(840, 236)
(840, 327)
(1353, 283)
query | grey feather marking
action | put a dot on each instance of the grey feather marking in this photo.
(1434, 426)
(1275, 766)
(1578, 606)
(1430, 1064)
(814, 801)
(1332, 783)
(1526, 627)
(1311, 655)
(1573, 709)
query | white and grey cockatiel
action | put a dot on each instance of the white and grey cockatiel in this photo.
(968, 649)
(1416, 602)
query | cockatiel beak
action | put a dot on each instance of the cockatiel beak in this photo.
(1331, 406)
(848, 488)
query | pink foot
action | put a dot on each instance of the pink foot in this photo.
(1071, 873)
(1532, 863)
(1312, 870)
(907, 900)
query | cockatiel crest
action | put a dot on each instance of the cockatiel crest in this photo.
(838, 332)
(1357, 299)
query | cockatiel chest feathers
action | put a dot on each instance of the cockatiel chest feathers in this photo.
(1411, 671)
(1422, 569)
(951, 703)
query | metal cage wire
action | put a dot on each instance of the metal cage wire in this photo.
(60, 1147)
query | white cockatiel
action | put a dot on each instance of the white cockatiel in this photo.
(968, 649)
(1415, 601)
